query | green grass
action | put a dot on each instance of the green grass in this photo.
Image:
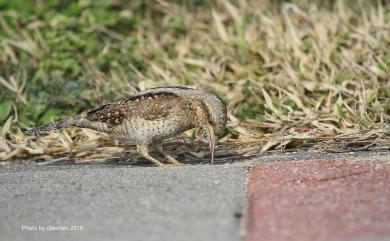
(313, 65)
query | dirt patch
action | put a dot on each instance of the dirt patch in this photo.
(319, 200)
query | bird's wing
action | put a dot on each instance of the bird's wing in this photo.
(149, 106)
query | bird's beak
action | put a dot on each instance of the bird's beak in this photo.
(211, 137)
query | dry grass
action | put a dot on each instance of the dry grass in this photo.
(294, 76)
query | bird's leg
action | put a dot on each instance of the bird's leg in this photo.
(143, 149)
(158, 146)
(211, 138)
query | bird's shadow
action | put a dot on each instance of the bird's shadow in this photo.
(184, 159)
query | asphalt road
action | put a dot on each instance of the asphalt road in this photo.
(121, 203)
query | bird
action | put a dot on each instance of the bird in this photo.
(151, 116)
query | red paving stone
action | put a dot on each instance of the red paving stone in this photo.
(318, 200)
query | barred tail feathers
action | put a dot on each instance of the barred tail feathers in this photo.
(56, 125)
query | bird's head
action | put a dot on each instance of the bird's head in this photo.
(211, 115)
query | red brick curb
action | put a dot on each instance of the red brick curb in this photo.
(318, 200)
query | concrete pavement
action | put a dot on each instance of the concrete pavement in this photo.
(121, 203)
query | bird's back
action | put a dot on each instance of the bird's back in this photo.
(144, 117)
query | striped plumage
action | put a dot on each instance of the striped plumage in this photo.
(152, 116)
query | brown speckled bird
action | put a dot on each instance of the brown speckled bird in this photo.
(152, 116)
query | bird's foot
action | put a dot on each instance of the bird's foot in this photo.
(173, 161)
(155, 161)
